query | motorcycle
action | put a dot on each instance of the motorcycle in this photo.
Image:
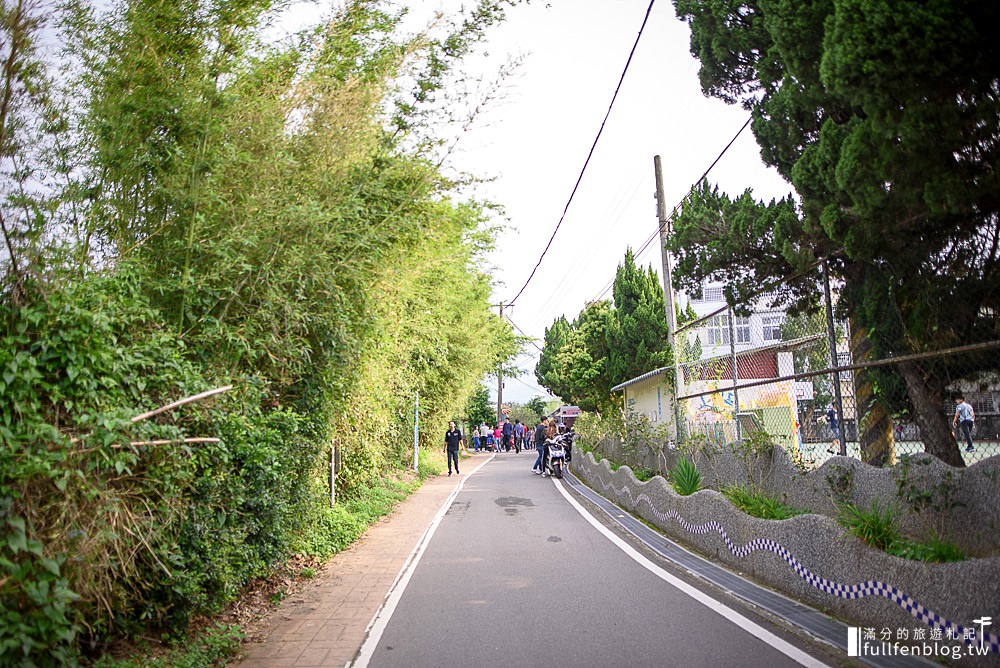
(559, 448)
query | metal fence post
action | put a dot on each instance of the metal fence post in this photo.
(735, 374)
(831, 334)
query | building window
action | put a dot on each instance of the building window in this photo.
(718, 330)
(772, 327)
(742, 330)
(712, 294)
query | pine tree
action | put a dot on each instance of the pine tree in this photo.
(638, 336)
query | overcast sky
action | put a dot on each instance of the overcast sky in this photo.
(534, 142)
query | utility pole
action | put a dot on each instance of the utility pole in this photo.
(500, 382)
(668, 291)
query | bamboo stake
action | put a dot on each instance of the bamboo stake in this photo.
(169, 441)
(181, 402)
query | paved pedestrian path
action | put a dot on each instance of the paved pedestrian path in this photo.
(326, 624)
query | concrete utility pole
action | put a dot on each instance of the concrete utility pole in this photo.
(500, 382)
(661, 216)
(668, 292)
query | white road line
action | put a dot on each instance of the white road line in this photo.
(376, 627)
(736, 618)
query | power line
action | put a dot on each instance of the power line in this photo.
(589, 155)
(655, 234)
(584, 259)
(523, 334)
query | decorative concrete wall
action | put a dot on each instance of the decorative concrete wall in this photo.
(811, 557)
(926, 494)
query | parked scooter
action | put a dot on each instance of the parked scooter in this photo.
(560, 447)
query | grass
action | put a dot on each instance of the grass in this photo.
(212, 647)
(877, 528)
(759, 505)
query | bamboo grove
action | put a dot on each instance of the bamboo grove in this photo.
(190, 203)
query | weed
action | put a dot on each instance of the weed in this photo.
(756, 504)
(841, 482)
(931, 504)
(210, 648)
(755, 451)
(935, 548)
(875, 527)
(308, 573)
(644, 474)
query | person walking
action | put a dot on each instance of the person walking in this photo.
(518, 436)
(498, 438)
(452, 439)
(539, 466)
(508, 433)
(831, 418)
(485, 436)
(965, 419)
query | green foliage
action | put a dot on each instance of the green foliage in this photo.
(644, 474)
(759, 505)
(685, 477)
(331, 292)
(894, 192)
(548, 373)
(212, 647)
(931, 503)
(933, 549)
(75, 495)
(573, 363)
(755, 453)
(638, 339)
(597, 432)
(876, 527)
(331, 530)
(480, 409)
(606, 345)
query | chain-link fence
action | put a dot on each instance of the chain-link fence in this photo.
(757, 368)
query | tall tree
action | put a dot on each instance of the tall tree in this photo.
(885, 118)
(638, 337)
(583, 359)
(547, 371)
(479, 409)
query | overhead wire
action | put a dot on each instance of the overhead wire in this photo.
(611, 217)
(589, 156)
(655, 234)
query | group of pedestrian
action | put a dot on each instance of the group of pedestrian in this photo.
(504, 437)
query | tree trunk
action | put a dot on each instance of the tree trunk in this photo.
(875, 434)
(927, 401)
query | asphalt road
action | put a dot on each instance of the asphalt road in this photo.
(514, 574)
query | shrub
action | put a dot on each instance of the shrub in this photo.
(685, 477)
